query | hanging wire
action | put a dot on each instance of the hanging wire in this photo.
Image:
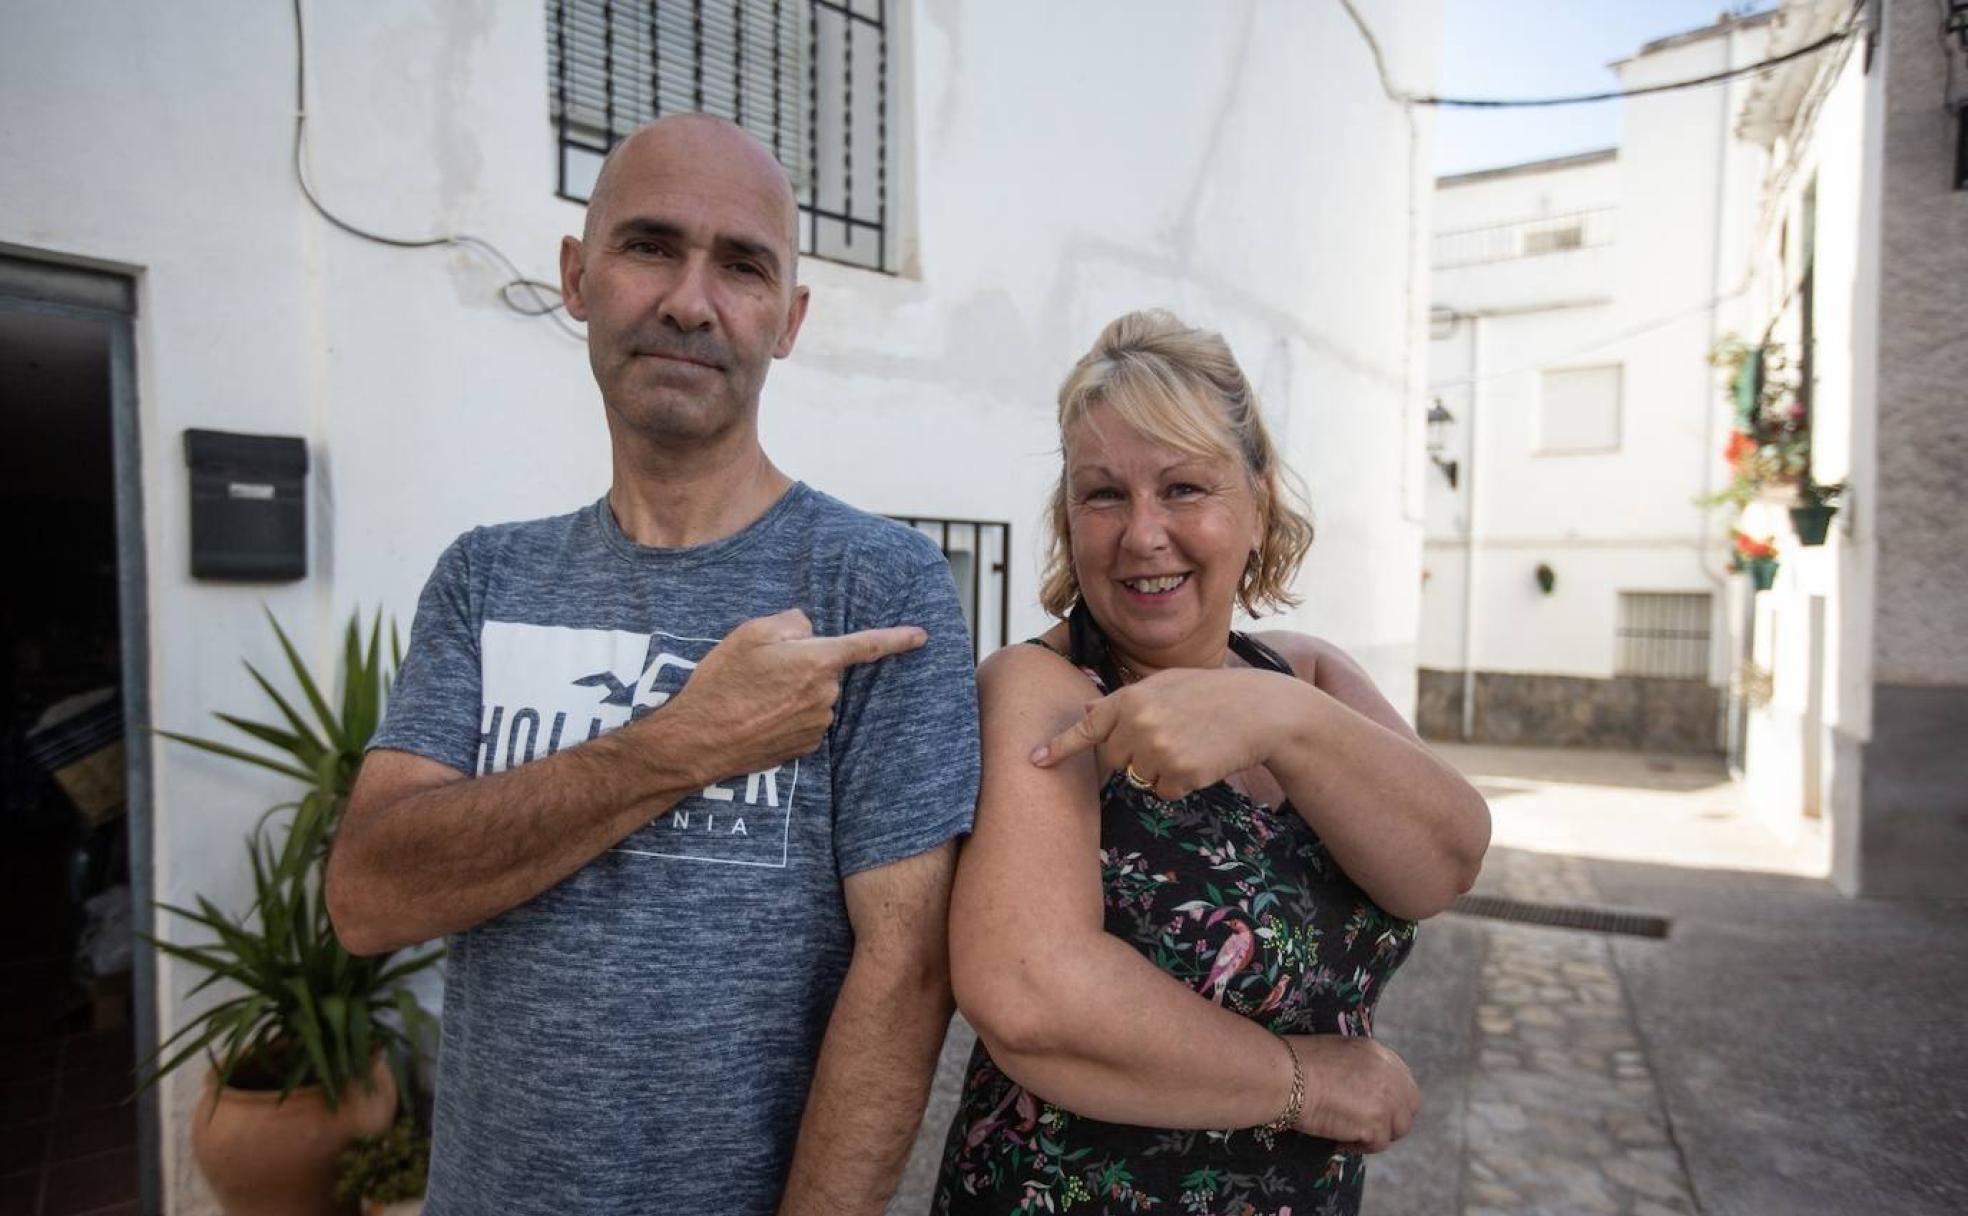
(527, 296)
(1404, 97)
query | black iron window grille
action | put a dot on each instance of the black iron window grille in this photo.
(978, 552)
(1664, 635)
(810, 78)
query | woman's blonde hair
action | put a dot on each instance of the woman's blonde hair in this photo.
(1181, 387)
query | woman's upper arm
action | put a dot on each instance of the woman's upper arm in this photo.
(1028, 880)
(1335, 673)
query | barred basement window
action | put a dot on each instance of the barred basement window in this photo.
(1663, 635)
(978, 551)
(808, 77)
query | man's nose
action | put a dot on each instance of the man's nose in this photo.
(686, 303)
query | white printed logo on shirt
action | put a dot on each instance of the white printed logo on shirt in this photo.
(545, 687)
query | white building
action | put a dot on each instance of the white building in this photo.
(1026, 172)
(1575, 303)
(1860, 280)
(1816, 211)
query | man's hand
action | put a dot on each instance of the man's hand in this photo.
(766, 693)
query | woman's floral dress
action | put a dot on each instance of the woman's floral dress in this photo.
(1242, 902)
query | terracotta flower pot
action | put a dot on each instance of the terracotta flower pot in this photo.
(402, 1207)
(266, 1157)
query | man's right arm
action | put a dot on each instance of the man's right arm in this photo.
(423, 850)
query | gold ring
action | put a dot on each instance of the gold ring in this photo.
(1137, 780)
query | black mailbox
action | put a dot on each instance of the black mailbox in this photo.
(248, 510)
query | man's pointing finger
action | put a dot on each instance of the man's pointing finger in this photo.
(870, 644)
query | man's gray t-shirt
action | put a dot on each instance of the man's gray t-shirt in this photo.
(640, 1037)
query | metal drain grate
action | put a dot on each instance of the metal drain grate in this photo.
(1562, 916)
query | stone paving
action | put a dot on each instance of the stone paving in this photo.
(1563, 1113)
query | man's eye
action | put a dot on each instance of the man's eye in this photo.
(747, 269)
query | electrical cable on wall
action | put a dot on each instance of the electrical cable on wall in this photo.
(1501, 103)
(527, 296)
(1406, 98)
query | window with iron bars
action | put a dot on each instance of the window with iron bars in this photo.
(978, 552)
(1664, 635)
(810, 78)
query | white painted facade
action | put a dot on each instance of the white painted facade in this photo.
(1857, 192)
(1808, 637)
(1626, 263)
(1055, 166)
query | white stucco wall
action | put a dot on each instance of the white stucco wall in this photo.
(1892, 255)
(1063, 163)
(1792, 758)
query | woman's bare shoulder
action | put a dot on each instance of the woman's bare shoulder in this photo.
(1029, 675)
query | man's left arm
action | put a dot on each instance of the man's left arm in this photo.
(879, 1055)
(905, 787)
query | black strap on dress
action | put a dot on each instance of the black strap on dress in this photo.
(1087, 646)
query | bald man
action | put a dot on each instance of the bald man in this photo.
(678, 774)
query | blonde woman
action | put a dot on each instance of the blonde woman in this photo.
(1199, 854)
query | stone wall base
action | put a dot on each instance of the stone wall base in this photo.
(1627, 712)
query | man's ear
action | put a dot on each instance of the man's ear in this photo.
(570, 278)
(794, 319)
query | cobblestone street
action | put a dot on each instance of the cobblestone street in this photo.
(1564, 1114)
(1567, 1071)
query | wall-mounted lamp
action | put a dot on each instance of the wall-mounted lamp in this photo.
(1439, 421)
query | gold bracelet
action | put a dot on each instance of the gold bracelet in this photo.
(1267, 1133)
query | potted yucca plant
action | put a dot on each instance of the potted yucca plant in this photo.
(311, 1045)
(388, 1173)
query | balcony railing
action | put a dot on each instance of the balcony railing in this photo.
(1525, 238)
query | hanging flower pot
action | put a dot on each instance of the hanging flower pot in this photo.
(1757, 557)
(1811, 521)
(1816, 504)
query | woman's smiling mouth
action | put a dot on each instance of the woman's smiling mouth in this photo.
(1160, 584)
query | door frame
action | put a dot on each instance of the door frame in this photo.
(39, 283)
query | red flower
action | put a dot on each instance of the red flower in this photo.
(1749, 547)
(1740, 445)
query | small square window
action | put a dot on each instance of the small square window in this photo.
(1579, 410)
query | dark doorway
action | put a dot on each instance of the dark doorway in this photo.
(74, 1140)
